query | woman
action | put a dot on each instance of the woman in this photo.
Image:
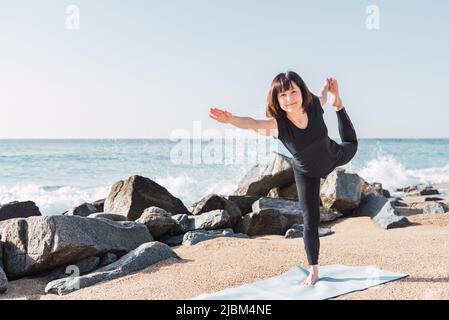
(295, 117)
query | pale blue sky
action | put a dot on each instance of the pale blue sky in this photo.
(140, 69)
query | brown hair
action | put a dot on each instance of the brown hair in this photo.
(281, 83)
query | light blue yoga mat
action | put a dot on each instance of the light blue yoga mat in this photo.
(334, 280)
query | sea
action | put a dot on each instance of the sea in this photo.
(60, 174)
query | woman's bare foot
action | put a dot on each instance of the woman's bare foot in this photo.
(335, 98)
(312, 277)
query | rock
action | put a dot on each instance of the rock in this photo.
(83, 210)
(341, 191)
(132, 196)
(269, 221)
(434, 207)
(324, 232)
(39, 244)
(433, 199)
(374, 187)
(297, 226)
(109, 216)
(172, 240)
(270, 216)
(275, 171)
(428, 191)
(405, 211)
(215, 202)
(108, 258)
(18, 209)
(371, 205)
(328, 215)
(142, 257)
(297, 231)
(290, 192)
(3, 281)
(216, 219)
(194, 237)
(386, 193)
(86, 265)
(157, 220)
(382, 211)
(387, 218)
(293, 233)
(243, 202)
(182, 224)
(99, 205)
(290, 209)
(396, 202)
(419, 190)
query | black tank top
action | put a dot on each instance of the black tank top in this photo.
(314, 153)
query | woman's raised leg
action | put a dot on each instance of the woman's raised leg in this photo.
(348, 137)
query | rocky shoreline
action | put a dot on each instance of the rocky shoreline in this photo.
(140, 221)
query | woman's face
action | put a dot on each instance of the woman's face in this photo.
(291, 99)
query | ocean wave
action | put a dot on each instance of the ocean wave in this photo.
(51, 200)
(387, 170)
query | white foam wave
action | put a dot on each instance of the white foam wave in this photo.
(51, 200)
(392, 174)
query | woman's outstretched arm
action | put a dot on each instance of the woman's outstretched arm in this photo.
(266, 127)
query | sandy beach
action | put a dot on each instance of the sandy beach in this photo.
(420, 250)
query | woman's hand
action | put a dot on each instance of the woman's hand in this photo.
(322, 95)
(222, 116)
(335, 99)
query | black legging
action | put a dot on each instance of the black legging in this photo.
(309, 188)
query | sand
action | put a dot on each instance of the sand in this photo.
(420, 250)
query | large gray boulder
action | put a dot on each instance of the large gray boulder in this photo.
(341, 191)
(275, 171)
(18, 209)
(388, 218)
(371, 205)
(132, 196)
(244, 203)
(39, 244)
(214, 202)
(157, 220)
(434, 207)
(216, 219)
(82, 210)
(290, 192)
(382, 211)
(405, 211)
(183, 224)
(268, 221)
(290, 209)
(375, 187)
(140, 258)
(108, 258)
(172, 240)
